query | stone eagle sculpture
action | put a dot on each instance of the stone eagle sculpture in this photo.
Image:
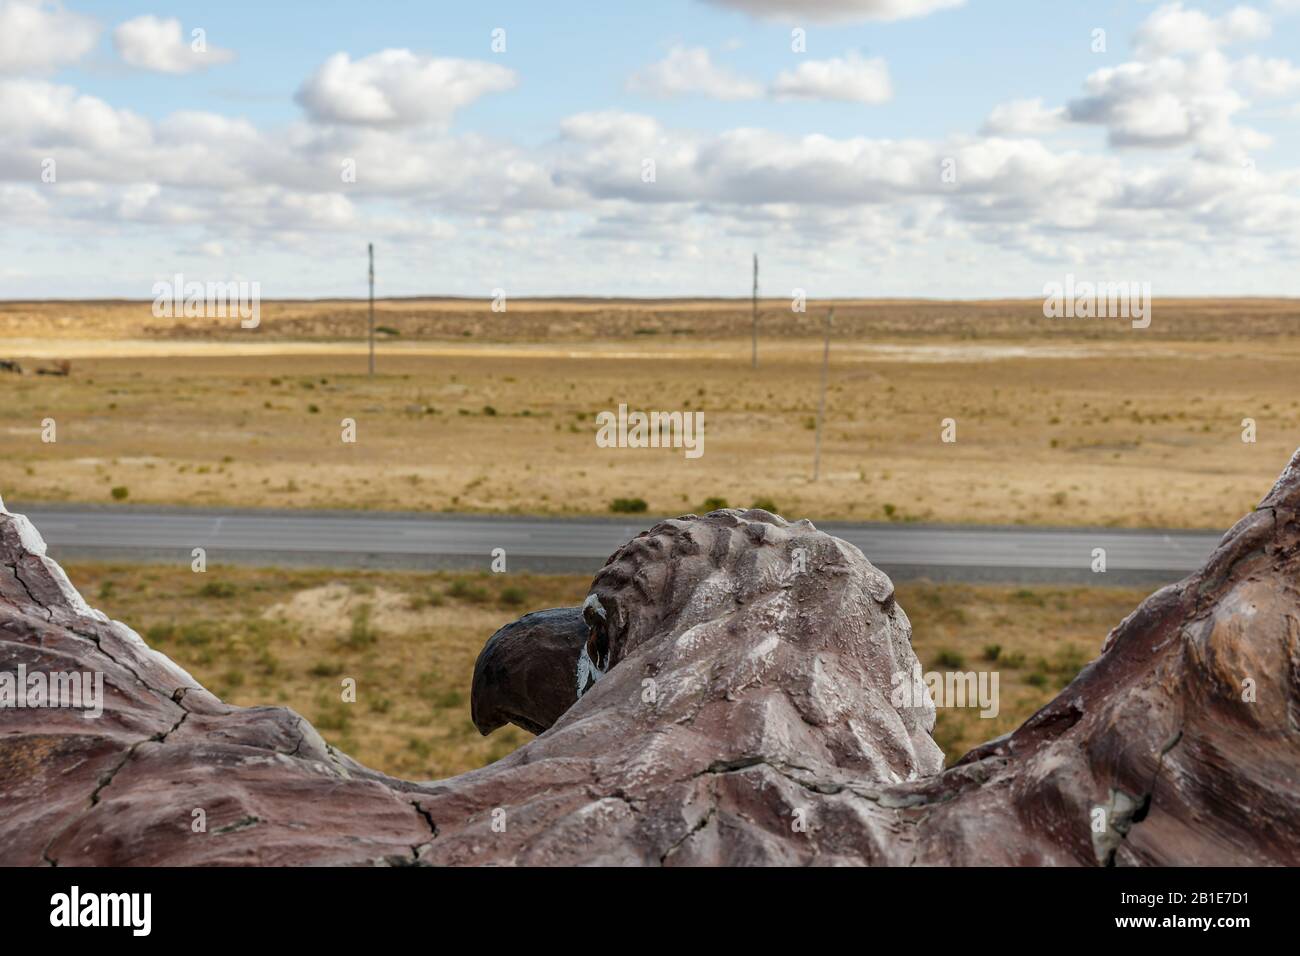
(723, 696)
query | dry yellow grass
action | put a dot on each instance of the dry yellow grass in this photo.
(266, 636)
(272, 636)
(1131, 430)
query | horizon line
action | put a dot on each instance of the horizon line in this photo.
(740, 299)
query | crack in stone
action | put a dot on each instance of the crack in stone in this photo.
(677, 844)
(13, 569)
(433, 829)
(123, 664)
(820, 787)
(302, 736)
(90, 636)
(106, 780)
(176, 697)
(243, 823)
(1142, 807)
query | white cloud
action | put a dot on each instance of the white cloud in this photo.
(1169, 102)
(1182, 91)
(152, 43)
(395, 88)
(691, 70)
(1014, 193)
(1173, 29)
(21, 201)
(609, 125)
(745, 167)
(39, 35)
(56, 117)
(235, 183)
(837, 10)
(849, 78)
(1023, 118)
(228, 169)
(1267, 77)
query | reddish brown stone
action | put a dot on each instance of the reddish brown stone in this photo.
(744, 716)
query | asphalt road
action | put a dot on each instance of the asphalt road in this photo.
(423, 541)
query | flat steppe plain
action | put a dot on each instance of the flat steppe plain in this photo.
(1058, 421)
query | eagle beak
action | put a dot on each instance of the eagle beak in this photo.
(524, 674)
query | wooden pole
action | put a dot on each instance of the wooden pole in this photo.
(372, 309)
(821, 404)
(754, 310)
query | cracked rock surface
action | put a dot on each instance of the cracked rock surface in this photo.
(743, 714)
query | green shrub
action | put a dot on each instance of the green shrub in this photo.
(362, 632)
(462, 590)
(159, 633)
(950, 659)
(430, 598)
(448, 699)
(1029, 597)
(218, 589)
(1069, 660)
(766, 504)
(332, 715)
(513, 597)
(198, 633)
(713, 504)
(120, 492)
(628, 505)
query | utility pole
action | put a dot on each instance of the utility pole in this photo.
(372, 309)
(821, 405)
(755, 313)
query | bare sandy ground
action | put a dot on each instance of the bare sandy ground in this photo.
(786, 350)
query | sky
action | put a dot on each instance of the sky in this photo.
(933, 148)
